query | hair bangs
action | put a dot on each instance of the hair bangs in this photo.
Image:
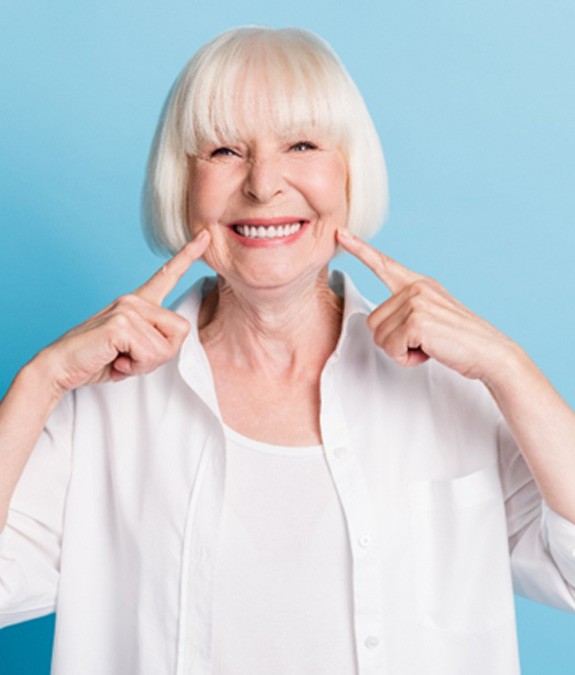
(265, 82)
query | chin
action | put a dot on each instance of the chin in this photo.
(270, 269)
(276, 279)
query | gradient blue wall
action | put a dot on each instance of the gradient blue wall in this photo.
(475, 103)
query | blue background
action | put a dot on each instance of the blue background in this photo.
(474, 101)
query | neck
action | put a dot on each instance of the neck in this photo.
(280, 329)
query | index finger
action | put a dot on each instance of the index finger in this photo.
(165, 279)
(393, 275)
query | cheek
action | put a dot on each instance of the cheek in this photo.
(205, 199)
(200, 208)
(331, 189)
(218, 255)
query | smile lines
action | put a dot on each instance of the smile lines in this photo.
(268, 232)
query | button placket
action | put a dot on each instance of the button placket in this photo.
(353, 490)
(340, 452)
(371, 642)
(364, 541)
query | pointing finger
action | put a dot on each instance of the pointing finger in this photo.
(166, 278)
(393, 275)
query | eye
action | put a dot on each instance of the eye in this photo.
(223, 152)
(302, 146)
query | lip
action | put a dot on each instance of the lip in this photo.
(268, 222)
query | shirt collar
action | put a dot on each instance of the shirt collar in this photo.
(355, 306)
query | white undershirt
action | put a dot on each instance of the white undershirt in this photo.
(283, 603)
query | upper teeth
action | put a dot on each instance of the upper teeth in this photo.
(261, 232)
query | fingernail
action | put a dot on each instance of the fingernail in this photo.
(344, 234)
(202, 235)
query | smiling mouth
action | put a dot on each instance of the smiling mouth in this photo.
(267, 231)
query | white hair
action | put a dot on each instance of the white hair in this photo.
(218, 95)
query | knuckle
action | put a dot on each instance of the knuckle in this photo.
(126, 300)
(414, 319)
(144, 361)
(388, 343)
(378, 316)
(119, 321)
(434, 284)
(381, 336)
(420, 287)
(417, 303)
(383, 261)
(372, 322)
(158, 354)
(426, 286)
(165, 352)
(183, 326)
(417, 323)
(385, 342)
(379, 342)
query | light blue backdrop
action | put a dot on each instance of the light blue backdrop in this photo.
(474, 101)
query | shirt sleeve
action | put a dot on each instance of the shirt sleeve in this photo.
(542, 543)
(31, 540)
(559, 538)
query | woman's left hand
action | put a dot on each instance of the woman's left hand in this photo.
(421, 320)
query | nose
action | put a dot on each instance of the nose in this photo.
(264, 180)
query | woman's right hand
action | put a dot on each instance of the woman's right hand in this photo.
(132, 336)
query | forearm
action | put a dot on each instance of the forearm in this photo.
(542, 424)
(23, 414)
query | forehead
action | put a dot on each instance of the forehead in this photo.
(240, 99)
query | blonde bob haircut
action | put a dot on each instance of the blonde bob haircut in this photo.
(219, 97)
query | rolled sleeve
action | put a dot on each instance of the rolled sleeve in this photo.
(559, 537)
(540, 541)
(31, 540)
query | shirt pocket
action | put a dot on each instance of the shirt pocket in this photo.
(460, 553)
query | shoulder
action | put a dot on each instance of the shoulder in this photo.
(430, 388)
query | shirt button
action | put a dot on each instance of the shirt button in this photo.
(340, 452)
(364, 541)
(371, 642)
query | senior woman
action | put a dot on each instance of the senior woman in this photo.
(257, 481)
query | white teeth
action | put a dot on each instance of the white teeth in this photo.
(271, 232)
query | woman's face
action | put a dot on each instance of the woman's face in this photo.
(272, 205)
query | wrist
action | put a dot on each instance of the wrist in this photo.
(39, 379)
(510, 370)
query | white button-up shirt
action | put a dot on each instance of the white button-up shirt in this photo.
(114, 524)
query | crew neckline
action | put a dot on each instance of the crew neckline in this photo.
(269, 448)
